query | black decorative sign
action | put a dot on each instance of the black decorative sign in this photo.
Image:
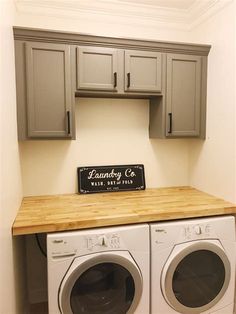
(111, 178)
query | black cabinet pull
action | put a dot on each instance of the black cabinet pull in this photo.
(68, 121)
(170, 123)
(115, 79)
(128, 79)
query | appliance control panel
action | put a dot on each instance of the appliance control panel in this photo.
(196, 231)
(103, 241)
(62, 247)
(181, 231)
(184, 233)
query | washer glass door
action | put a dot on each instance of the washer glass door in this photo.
(98, 287)
(197, 278)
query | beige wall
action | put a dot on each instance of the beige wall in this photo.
(88, 18)
(213, 161)
(109, 131)
(11, 266)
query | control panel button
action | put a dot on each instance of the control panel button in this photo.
(208, 229)
(102, 241)
(197, 229)
(187, 233)
(115, 242)
(89, 243)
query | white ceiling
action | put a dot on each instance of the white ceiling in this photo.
(178, 14)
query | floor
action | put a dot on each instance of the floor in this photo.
(39, 308)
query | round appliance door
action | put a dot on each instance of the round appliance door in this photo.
(104, 283)
(195, 277)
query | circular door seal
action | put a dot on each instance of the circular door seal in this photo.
(69, 281)
(184, 279)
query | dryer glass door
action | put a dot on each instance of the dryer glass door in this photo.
(103, 288)
(197, 278)
(97, 287)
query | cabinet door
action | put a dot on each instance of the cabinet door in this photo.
(143, 71)
(183, 96)
(48, 90)
(96, 69)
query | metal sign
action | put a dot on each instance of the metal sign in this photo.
(111, 178)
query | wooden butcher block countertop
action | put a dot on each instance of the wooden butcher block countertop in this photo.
(74, 211)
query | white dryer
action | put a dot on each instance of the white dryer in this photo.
(193, 266)
(99, 271)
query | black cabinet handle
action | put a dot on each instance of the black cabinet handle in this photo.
(115, 79)
(128, 79)
(170, 123)
(68, 121)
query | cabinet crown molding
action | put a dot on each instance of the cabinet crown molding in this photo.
(51, 36)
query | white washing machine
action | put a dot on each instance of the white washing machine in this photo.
(193, 266)
(99, 271)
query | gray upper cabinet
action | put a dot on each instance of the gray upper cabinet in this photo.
(48, 90)
(183, 95)
(96, 69)
(143, 71)
(52, 68)
(118, 71)
(44, 95)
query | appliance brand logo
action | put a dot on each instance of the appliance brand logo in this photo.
(161, 230)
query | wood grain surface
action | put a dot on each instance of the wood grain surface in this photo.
(52, 213)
